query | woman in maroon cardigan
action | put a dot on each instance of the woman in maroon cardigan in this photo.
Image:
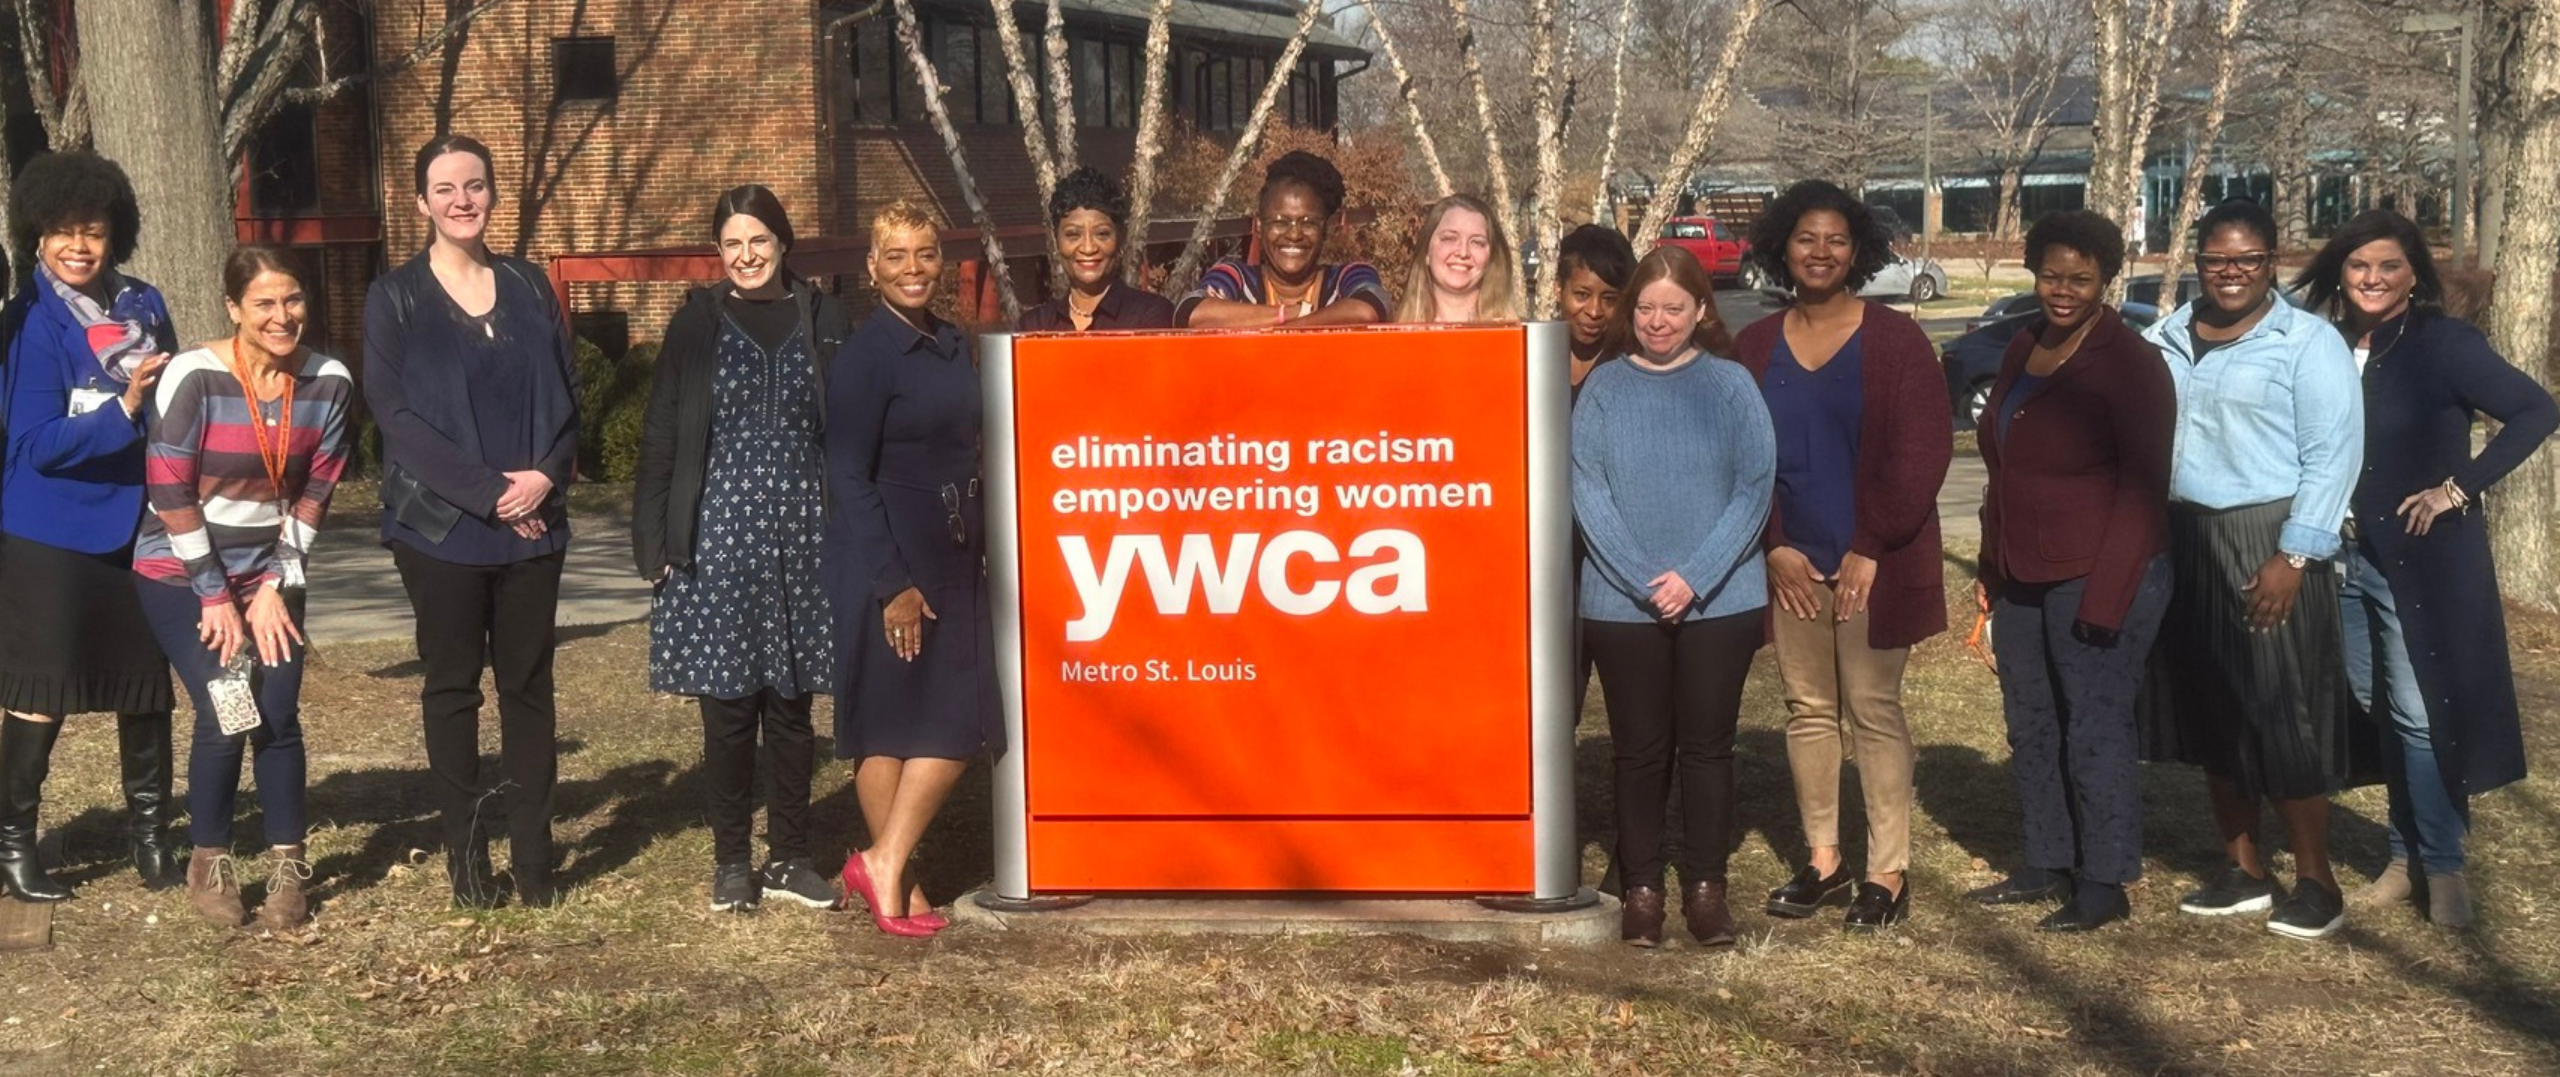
(1860, 408)
(2074, 525)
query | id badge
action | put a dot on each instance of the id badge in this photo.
(89, 398)
(235, 704)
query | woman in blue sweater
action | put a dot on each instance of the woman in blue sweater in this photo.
(1673, 466)
(86, 345)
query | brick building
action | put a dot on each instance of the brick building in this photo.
(615, 124)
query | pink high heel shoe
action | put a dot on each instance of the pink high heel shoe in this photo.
(857, 879)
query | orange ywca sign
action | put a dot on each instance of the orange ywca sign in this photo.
(1275, 610)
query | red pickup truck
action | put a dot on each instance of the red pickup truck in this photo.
(1718, 246)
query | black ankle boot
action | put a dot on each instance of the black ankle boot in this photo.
(26, 756)
(143, 743)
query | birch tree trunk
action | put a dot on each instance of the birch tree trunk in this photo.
(1549, 189)
(928, 84)
(2524, 506)
(1412, 103)
(2107, 140)
(1142, 172)
(1600, 201)
(1701, 130)
(1026, 99)
(148, 66)
(2226, 65)
(2150, 54)
(1188, 266)
(1493, 160)
(1062, 90)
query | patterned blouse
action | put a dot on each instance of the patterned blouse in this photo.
(1233, 279)
(218, 522)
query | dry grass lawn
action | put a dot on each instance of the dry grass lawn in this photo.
(635, 976)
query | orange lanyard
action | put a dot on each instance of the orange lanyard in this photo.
(273, 453)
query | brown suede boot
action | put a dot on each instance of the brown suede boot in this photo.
(213, 886)
(286, 906)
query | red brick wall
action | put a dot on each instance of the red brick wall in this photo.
(712, 95)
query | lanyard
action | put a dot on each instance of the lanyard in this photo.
(273, 449)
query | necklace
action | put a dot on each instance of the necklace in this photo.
(273, 454)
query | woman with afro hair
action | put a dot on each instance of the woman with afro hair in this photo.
(86, 346)
(1301, 197)
(1089, 218)
(1860, 408)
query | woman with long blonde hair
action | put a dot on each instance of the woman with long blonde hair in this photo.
(1463, 268)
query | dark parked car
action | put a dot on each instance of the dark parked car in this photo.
(1972, 361)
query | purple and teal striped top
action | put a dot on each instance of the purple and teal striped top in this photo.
(217, 522)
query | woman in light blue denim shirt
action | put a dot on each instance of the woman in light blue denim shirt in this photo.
(2247, 680)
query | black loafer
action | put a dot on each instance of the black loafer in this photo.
(1876, 907)
(2030, 886)
(2092, 906)
(1808, 892)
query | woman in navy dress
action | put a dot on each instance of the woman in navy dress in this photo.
(907, 556)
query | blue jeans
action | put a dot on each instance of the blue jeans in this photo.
(2425, 813)
(213, 764)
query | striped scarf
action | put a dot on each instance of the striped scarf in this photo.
(117, 334)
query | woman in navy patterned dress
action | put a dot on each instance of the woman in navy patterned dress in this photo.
(907, 541)
(728, 512)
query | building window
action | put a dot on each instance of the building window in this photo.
(284, 162)
(955, 58)
(582, 70)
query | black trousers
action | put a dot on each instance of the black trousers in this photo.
(729, 728)
(2069, 706)
(497, 618)
(1674, 693)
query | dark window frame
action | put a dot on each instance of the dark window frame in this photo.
(585, 70)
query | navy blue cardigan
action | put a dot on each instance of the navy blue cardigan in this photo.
(2429, 378)
(71, 482)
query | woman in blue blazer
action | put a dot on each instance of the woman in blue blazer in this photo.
(2426, 636)
(86, 345)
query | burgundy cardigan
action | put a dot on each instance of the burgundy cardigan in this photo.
(1905, 442)
(2080, 486)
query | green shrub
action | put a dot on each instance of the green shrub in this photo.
(608, 390)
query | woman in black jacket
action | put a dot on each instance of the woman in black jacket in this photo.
(728, 519)
(467, 369)
(2426, 637)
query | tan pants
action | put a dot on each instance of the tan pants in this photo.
(1830, 674)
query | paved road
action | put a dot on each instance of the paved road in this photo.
(356, 594)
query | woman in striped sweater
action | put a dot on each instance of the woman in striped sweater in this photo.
(248, 445)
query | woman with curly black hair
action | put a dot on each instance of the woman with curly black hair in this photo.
(2074, 525)
(2426, 634)
(1089, 217)
(1860, 408)
(87, 345)
(1301, 195)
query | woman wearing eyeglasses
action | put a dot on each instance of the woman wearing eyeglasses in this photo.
(2248, 680)
(906, 549)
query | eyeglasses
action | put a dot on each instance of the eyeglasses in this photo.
(1291, 225)
(952, 494)
(2247, 262)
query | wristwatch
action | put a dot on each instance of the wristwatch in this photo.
(2298, 561)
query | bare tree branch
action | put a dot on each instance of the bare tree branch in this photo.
(2226, 66)
(1617, 108)
(1412, 102)
(66, 118)
(426, 47)
(1142, 179)
(1493, 162)
(1062, 89)
(1549, 187)
(1026, 99)
(1188, 266)
(1712, 102)
(930, 86)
